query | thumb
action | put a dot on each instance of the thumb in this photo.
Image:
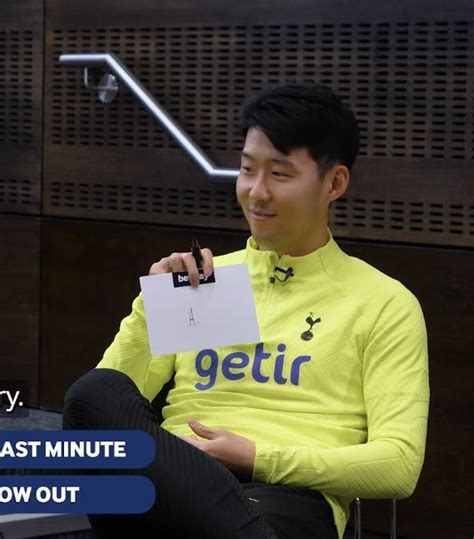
(201, 430)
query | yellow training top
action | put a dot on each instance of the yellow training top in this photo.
(335, 395)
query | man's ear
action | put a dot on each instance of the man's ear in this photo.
(337, 179)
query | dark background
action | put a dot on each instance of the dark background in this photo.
(91, 194)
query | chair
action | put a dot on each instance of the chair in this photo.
(358, 519)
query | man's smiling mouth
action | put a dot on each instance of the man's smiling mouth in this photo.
(259, 214)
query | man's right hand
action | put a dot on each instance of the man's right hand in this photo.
(185, 262)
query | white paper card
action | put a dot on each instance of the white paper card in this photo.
(212, 315)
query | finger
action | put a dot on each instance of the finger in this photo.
(192, 269)
(201, 430)
(176, 262)
(207, 261)
(162, 266)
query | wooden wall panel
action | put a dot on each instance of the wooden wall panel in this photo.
(21, 105)
(407, 70)
(19, 301)
(90, 276)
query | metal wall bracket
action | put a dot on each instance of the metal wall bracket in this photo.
(106, 89)
(107, 92)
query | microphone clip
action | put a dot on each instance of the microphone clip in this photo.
(288, 273)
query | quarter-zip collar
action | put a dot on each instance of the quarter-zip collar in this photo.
(324, 261)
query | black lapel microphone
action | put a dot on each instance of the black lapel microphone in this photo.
(288, 273)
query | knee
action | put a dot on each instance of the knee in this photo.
(94, 383)
(90, 393)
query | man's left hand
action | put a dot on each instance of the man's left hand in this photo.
(237, 453)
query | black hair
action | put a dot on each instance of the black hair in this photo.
(305, 116)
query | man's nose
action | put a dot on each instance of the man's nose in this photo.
(260, 189)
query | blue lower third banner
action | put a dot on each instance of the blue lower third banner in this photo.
(126, 494)
(76, 449)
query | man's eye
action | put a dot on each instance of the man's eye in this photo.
(245, 169)
(278, 174)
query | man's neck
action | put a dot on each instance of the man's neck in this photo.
(300, 250)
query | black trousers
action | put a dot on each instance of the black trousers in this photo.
(196, 496)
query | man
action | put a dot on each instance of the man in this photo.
(332, 404)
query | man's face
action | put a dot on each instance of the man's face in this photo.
(282, 196)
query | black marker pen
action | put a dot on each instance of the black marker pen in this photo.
(196, 252)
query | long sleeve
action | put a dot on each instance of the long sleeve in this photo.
(395, 387)
(130, 354)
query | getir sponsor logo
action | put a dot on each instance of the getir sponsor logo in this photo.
(232, 366)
